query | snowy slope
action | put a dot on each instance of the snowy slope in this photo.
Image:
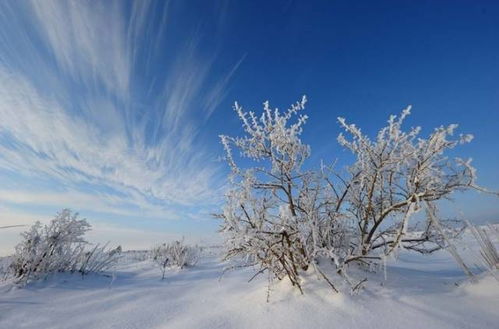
(421, 293)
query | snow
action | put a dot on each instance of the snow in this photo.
(428, 292)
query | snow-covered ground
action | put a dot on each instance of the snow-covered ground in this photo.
(428, 292)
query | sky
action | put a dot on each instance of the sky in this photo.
(113, 108)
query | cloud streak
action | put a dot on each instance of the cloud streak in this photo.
(104, 101)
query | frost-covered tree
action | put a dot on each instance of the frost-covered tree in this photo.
(285, 220)
(274, 208)
(395, 176)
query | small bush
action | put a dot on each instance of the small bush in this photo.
(58, 247)
(98, 259)
(488, 252)
(174, 254)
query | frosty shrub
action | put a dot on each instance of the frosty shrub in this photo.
(264, 220)
(5, 267)
(174, 254)
(58, 247)
(285, 219)
(97, 259)
(488, 251)
(395, 176)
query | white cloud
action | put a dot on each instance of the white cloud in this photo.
(95, 202)
(88, 40)
(85, 128)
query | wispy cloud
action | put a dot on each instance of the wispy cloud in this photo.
(88, 40)
(102, 100)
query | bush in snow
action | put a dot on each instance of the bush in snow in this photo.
(174, 254)
(263, 217)
(97, 259)
(488, 252)
(395, 176)
(285, 220)
(58, 247)
(5, 267)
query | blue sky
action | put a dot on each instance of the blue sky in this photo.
(113, 108)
